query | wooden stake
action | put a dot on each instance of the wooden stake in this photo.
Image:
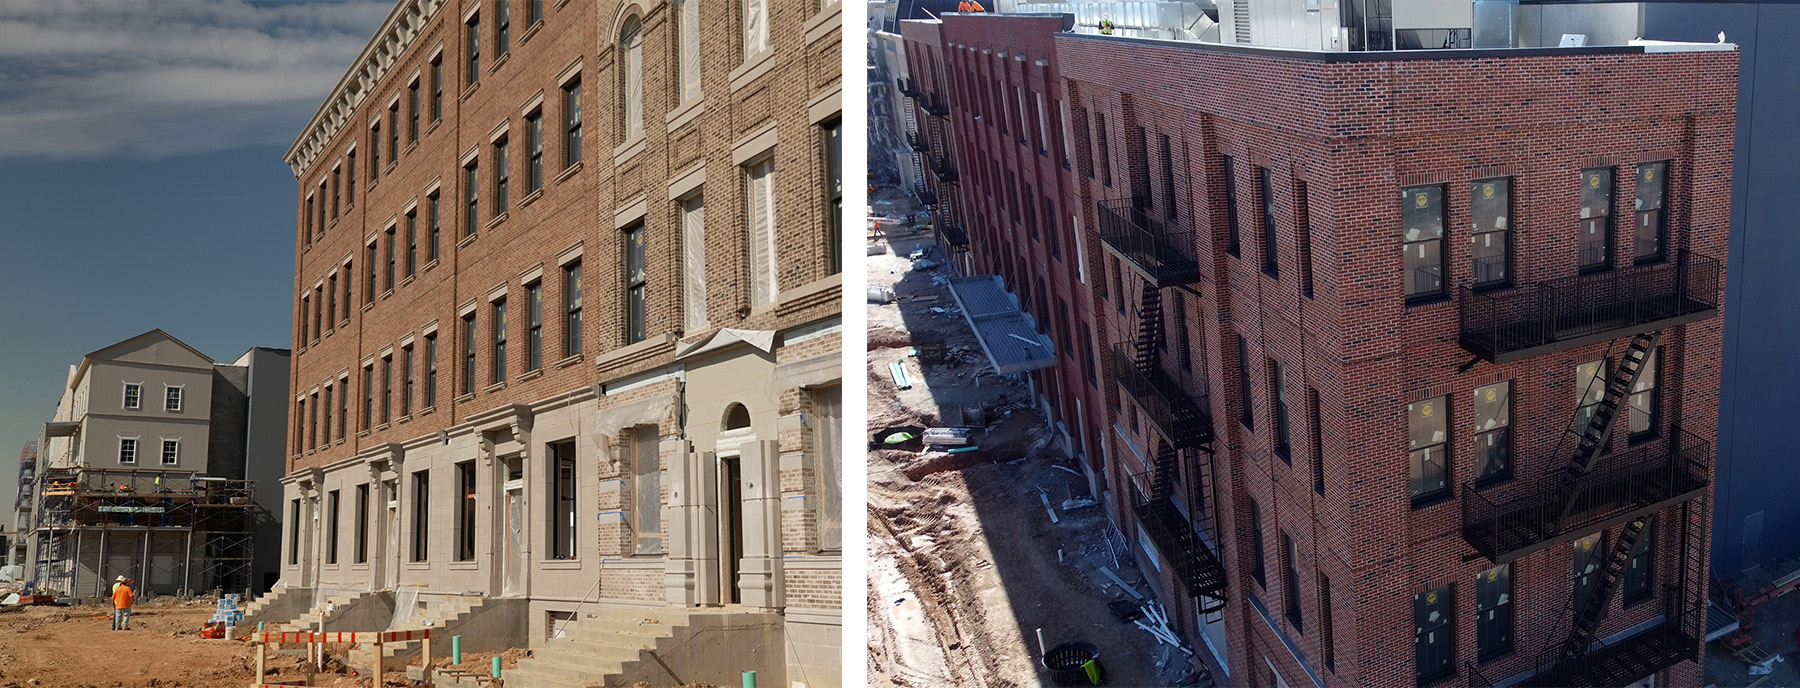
(378, 661)
(427, 664)
(260, 648)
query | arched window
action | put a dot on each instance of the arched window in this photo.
(737, 417)
(631, 70)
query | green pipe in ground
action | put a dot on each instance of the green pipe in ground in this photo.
(749, 679)
(496, 672)
(456, 649)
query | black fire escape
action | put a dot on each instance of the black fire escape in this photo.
(1164, 258)
(1579, 500)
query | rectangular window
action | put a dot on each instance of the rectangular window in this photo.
(1271, 264)
(1490, 204)
(471, 183)
(636, 290)
(412, 243)
(500, 177)
(832, 135)
(1290, 555)
(172, 399)
(1640, 572)
(387, 390)
(829, 402)
(1590, 390)
(1589, 559)
(343, 407)
(337, 192)
(312, 422)
(368, 407)
(1652, 226)
(374, 156)
(571, 124)
(1256, 545)
(534, 11)
(392, 259)
(1278, 397)
(325, 414)
(1315, 440)
(693, 264)
(305, 321)
(331, 299)
(534, 326)
(534, 174)
(503, 37)
(171, 452)
(1105, 148)
(331, 527)
(1051, 235)
(1493, 430)
(1245, 415)
(350, 178)
(318, 303)
(646, 489)
(756, 27)
(499, 341)
(1494, 612)
(1327, 636)
(393, 132)
(759, 185)
(465, 511)
(128, 448)
(562, 500)
(687, 49)
(134, 394)
(421, 516)
(1427, 435)
(572, 309)
(1596, 218)
(1303, 212)
(474, 34)
(349, 278)
(431, 253)
(1233, 234)
(431, 357)
(1084, 155)
(412, 108)
(1642, 419)
(361, 539)
(369, 289)
(1422, 215)
(437, 88)
(1168, 176)
(306, 230)
(1433, 648)
(293, 531)
(300, 425)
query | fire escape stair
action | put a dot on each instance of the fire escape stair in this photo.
(1590, 610)
(1597, 434)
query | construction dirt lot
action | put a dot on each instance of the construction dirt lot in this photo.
(75, 647)
(966, 564)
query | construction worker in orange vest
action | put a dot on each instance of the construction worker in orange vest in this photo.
(122, 598)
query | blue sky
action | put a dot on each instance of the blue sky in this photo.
(141, 180)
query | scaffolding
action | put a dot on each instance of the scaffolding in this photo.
(177, 532)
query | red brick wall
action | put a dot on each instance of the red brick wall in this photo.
(1357, 132)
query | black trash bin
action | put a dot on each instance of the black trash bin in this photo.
(1068, 664)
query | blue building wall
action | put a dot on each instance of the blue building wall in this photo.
(1758, 465)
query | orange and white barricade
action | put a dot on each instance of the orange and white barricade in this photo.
(315, 642)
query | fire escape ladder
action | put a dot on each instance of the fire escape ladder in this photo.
(1690, 600)
(1595, 436)
(1150, 330)
(1162, 478)
(1589, 610)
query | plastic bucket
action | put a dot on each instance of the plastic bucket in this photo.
(1069, 665)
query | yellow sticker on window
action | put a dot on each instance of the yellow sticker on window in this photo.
(1649, 173)
(1420, 200)
(1487, 191)
(1431, 598)
(1493, 574)
(1491, 394)
(1425, 410)
(1594, 181)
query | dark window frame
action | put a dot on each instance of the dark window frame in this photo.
(1234, 234)
(1418, 206)
(332, 527)
(431, 372)
(1290, 554)
(497, 339)
(534, 128)
(501, 178)
(1494, 438)
(1271, 241)
(1636, 588)
(571, 123)
(1246, 414)
(1655, 217)
(421, 516)
(1495, 632)
(1282, 438)
(360, 541)
(635, 281)
(1420, 455)
(466, 506)
(1304, 238)
(564, 477)
(1487, 225)
(1597, 198)
(534, 326)
(572, 328)
(1257, 571)
(1440, 628)
(469, 346)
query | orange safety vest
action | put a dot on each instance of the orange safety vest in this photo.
(122, 597)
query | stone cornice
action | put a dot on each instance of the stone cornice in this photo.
(402, 26)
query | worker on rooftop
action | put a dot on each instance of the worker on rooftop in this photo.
(122, 597)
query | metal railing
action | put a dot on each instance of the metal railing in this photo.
(954, 234)
(917, 142)
(1622, 483)
(945, 171)
(1181, 417)
(908, 87)
(1161, 249)
(934, 104)
(1528, 317)
(1199, 569)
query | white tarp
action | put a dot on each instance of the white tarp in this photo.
(761, 339)
(693, 263)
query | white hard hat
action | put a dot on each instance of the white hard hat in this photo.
(121, 578)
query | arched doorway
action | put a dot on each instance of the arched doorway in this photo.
(734, 431)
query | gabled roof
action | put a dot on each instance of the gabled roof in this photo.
(108, 352)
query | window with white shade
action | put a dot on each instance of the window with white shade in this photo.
(687, 50)
(756, 27)
(693, 264)
(759, 184)
(631, 83)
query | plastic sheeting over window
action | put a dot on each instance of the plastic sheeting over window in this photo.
(760, 183)
(631, 51)
(830, 402)
(693, 265)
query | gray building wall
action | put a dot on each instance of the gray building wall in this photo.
(265, 440)
(1756, 475)
(230, 415)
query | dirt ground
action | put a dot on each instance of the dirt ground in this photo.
(965, 563)
(65, 647)
(1775, 623)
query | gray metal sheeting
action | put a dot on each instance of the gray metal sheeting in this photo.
(1007, 335)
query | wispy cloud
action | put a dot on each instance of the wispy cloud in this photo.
(148, 79)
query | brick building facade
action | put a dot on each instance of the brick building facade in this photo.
(567, 289)
(1358, 310)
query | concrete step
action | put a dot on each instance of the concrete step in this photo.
(535, 672)
(621, 626)
(579, 653)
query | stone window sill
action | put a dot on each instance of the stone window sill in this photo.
(567, 173)
(755, 66)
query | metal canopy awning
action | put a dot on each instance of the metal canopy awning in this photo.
(1008, 336)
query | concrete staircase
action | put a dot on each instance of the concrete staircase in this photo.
(340, 607)
(618, 647)
(278, 606)
(486, 624)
